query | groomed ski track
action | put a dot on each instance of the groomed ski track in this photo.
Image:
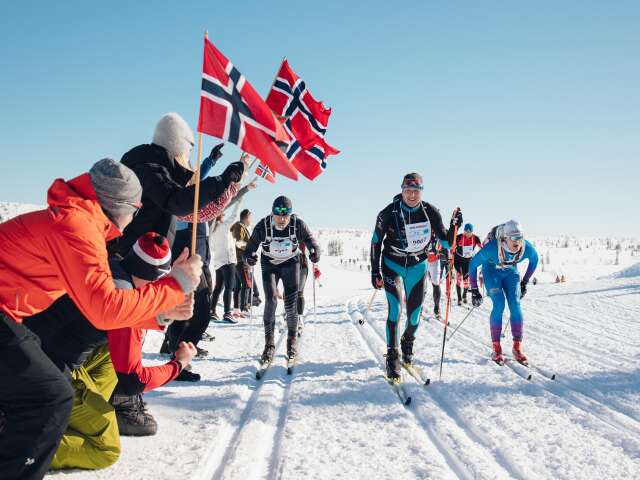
(337, 417)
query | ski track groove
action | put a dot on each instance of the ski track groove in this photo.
(604, 413)
(232, 440)
(453, 463)
(500, 458)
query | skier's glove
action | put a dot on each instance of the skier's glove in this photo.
(456, 219)
(252, 260)
(523, 288)
(316, 272)
(216, 152)
(233, 173)
(314, 256)
(376, 280)
(476, 297)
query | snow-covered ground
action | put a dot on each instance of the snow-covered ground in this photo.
(336, 417)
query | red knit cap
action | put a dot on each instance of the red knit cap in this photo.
(149, 258)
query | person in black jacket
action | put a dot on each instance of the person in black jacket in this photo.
(404, 232)
(164, 172)
(280, 235)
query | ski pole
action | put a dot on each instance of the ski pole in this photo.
(250, 278)
(366, 314)
(460, 324)
(446, 316)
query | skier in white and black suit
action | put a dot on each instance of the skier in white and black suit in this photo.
(280, 235)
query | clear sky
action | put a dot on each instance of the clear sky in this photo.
(508, 109)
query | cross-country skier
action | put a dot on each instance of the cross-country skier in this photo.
(280, 235)
(499, 258)
(436, 268)
(466, 245)
(404, 232)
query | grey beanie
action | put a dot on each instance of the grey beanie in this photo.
(117, 187)
(174, 135)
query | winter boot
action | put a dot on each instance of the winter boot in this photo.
(267, 354)
(393, 364)
(496, 355)
(292, 341)
(188, 376)
(256, 301)
(518, 354)
(229, 317)
(201, 352)
(436, 310)
(406, 345)
(213, 317)
(132, 416)
(464, 296)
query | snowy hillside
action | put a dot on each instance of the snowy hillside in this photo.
(10, 209)
(337, 418)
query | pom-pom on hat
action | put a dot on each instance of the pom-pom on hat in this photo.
(149, 258)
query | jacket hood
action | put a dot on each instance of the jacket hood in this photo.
(151, 153)
(78, 194)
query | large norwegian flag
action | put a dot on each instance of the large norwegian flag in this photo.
(231, 109)
(305, 120)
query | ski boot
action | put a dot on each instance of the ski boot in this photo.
(267, 354)
(393, 364)
(464, 296)
(496, 355)
(292, 340)
(406, 346)
(459, 302)
(518, 354)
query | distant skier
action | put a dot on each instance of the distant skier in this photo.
(280, 235)
(466, 245)
(506, 247)
(436, 268)
(405, 231)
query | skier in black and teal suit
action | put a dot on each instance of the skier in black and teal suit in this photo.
(404, 232)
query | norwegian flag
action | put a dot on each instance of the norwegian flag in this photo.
(310, 162)
(305, 120)
(266, 173)
(231, 109)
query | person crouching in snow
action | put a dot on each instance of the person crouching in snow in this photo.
(98, 362)
(43, 255)
(505, 248)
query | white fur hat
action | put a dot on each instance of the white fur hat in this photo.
(173, 134)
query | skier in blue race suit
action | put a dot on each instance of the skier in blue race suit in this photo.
(405, 231)
(504, 248)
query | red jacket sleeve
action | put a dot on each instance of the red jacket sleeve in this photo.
(125, 346)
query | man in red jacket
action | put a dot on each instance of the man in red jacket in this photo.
(48, 253)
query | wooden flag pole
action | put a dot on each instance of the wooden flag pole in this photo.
(196, 195)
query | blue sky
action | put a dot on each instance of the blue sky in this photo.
(508, 109)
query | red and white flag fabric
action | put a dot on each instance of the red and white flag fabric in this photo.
(231, 109)
(266, 173)
(305, 120)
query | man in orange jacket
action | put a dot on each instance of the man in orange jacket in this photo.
(48, 253)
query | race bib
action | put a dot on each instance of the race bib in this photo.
(467, 251)
(281, 248)
(418, 236)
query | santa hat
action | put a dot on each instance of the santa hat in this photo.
(149, 258)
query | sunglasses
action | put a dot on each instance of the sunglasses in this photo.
(515, 238)
(412, 186)
(281, 210)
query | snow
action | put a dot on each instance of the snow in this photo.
(336, 417)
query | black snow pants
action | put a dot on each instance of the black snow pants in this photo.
(35, 400)
(289, 273)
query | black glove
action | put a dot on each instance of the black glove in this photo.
(314, 256)
(476, 297)
(252, 260)
(456, 219)
(376, 280)
(523, 288)
(216, 152)
(233, 173)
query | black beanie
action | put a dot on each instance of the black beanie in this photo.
(149, 258)
(281, 202)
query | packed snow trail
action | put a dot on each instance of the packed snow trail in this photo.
(337, 417)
